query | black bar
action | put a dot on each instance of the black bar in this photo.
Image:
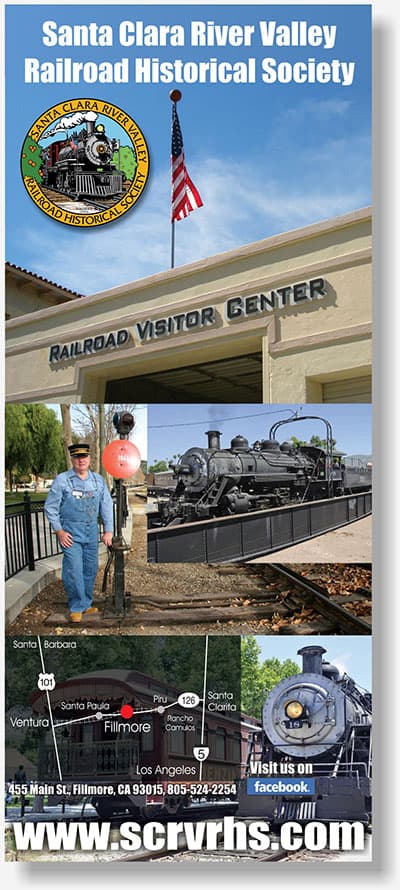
(244, 537)
(27, 541)
(28, 532)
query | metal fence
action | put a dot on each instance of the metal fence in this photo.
(29, 536)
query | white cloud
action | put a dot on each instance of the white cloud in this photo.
(311, 108)
(242, 203)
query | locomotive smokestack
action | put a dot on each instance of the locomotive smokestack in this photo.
(312, 659)
(214, 440)
(90, 119)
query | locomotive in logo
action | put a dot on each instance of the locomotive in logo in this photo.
(85, 162)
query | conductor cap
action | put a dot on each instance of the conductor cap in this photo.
(79, 450)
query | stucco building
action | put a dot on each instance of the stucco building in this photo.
(285, 319)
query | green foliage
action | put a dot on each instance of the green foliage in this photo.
(125, 160)
(17, 442)
(259, 678)
(46, 434)
(158, 467)
(183, 664)
(315, 440)
(178, 661)
(251, 702)
(33, 441)
(31, 159)
(175, 660)
(273, 671)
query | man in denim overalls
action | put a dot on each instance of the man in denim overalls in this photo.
(73, 505)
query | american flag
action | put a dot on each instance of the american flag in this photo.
(185, 196)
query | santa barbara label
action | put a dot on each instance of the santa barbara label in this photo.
(85, 162)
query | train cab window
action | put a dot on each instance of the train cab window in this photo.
(236, 747)
(220, 743)
(87, 734)
(147, 738)
(176, 742)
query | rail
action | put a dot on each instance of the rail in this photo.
(114, 759)
(247, 536)
(29, 536)
(321, 602)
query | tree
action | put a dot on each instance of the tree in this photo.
(258, 679)
(125, 160)
(273, 671)
(320, 443)
(94, 424)
(17, 443)
(66, 433)
(251, 697)
(315, 440)
(31, 159)
(47, 456)
(160, 466)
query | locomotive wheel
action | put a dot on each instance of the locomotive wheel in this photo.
(59, 181)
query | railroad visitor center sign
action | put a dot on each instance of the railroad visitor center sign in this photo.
(188, 461)
(235, 308)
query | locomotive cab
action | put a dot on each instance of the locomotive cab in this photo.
(82, 165)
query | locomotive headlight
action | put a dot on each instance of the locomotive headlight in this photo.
(294, 710)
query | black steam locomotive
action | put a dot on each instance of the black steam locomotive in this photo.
(312, 759)
(82, 165)
(216, 481)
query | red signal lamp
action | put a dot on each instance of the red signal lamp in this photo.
(121, 459)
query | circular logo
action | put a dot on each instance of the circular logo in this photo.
(85, 162)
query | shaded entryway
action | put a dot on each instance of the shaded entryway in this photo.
(236, 379)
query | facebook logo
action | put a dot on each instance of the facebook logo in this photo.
(281, 786)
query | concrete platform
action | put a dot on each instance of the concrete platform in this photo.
(23, 587)
(352, 543)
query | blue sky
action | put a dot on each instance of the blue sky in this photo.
(174, 428)
(349, 653)
(265, 158)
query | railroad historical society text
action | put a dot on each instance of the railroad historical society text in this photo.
(140, 68)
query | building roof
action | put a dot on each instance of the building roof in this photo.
(42, 283)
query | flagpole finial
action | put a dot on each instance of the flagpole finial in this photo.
(175, 95)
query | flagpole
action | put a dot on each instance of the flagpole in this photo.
(172, 245)
(175, 96)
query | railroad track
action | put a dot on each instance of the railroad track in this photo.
(251, 535)
(322, 603)
(276, 854)
(58, 193)
(219, 854)
(303, 606)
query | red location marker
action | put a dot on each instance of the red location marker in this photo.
(126, 711)
(121, 459)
